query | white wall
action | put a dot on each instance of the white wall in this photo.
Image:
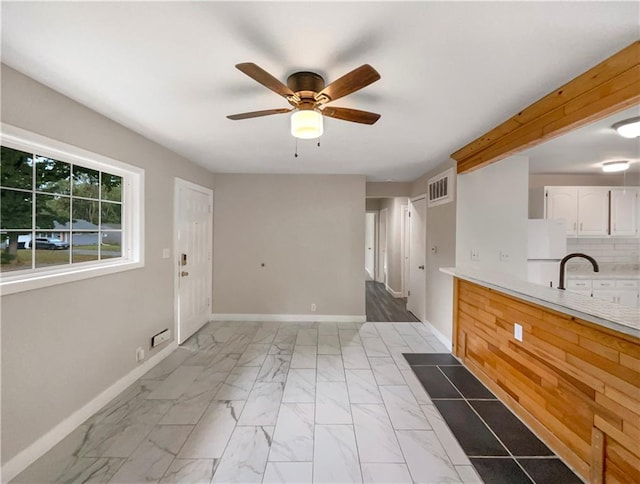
(63, 345)
(308, 230)
(492, 213)
(441, 233)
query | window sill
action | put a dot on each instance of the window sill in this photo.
(46, 279)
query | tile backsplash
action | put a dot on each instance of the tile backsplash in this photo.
(607, 251)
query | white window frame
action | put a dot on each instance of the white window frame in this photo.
(132, 214)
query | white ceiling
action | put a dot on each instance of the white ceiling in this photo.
(450, 71)
(584, 150)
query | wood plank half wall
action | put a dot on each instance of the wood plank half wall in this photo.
(576, 384)
(607, 88)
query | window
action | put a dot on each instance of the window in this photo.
(64, 212)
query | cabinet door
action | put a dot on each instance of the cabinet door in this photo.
(611, 296)
(593, 211)
(562, 203)
(624, 211)
(628, 297)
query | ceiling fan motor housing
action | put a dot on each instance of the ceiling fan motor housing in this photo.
(306, 85)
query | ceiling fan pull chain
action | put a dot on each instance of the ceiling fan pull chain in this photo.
(318, 143)
(296, 152)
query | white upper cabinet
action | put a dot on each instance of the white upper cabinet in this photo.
(624, 211)
(561, 203)
(593, 211)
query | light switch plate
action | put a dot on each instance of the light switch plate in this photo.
(166, 253)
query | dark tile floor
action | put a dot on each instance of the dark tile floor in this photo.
(499, 445)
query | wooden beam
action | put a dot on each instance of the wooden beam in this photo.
(611, 86)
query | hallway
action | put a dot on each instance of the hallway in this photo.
(383, 307)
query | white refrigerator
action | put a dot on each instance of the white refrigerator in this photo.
(547, 245)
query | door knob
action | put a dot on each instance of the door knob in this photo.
(421, 267)
(184, 273)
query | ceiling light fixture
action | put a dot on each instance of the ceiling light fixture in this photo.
(615, 166)
(629, 128)
(306, 124)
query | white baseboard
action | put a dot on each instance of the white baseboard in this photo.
(313, 318)
(441, 337)
(392, 292)
(41, 446)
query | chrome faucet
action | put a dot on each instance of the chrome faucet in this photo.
(564, 261)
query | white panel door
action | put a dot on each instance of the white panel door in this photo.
(382, 243)
(417, 258)
(624, 211)
(593, 211)
(369, 244)
(194, 207)
(561, 203)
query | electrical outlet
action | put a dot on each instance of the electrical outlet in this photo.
(475, 255)
(313, 308)
(139, 353)
(504, 256)
(517, 331)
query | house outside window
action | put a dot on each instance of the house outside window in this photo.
(64, 211)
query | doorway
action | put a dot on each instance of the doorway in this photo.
(417, 257)
(370, 246)
(193, 223)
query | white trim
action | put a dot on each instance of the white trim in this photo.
(392, 292)
(405, 240)
(441, 337)
(320, 318)
(78, 273)
(132, 216)
(41, 446)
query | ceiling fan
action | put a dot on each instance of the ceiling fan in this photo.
(308, 95)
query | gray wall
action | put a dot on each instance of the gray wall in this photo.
(388, 189)
(308, 230)
(63, 345)
(537, 182)
(441, 233)
(372, 204)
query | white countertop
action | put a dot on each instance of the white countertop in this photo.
(613, 316)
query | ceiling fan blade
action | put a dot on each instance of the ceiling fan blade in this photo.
(263, 77)
(257, 114)
(353, 115)
(351, 82)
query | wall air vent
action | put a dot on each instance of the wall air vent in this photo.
(442, 188)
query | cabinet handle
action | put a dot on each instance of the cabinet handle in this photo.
(580, 226)
(574, 226)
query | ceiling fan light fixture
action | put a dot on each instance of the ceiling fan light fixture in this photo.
(629, 128)
(615, 166)
(306, 124)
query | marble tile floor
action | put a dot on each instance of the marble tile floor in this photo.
(270, 402)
